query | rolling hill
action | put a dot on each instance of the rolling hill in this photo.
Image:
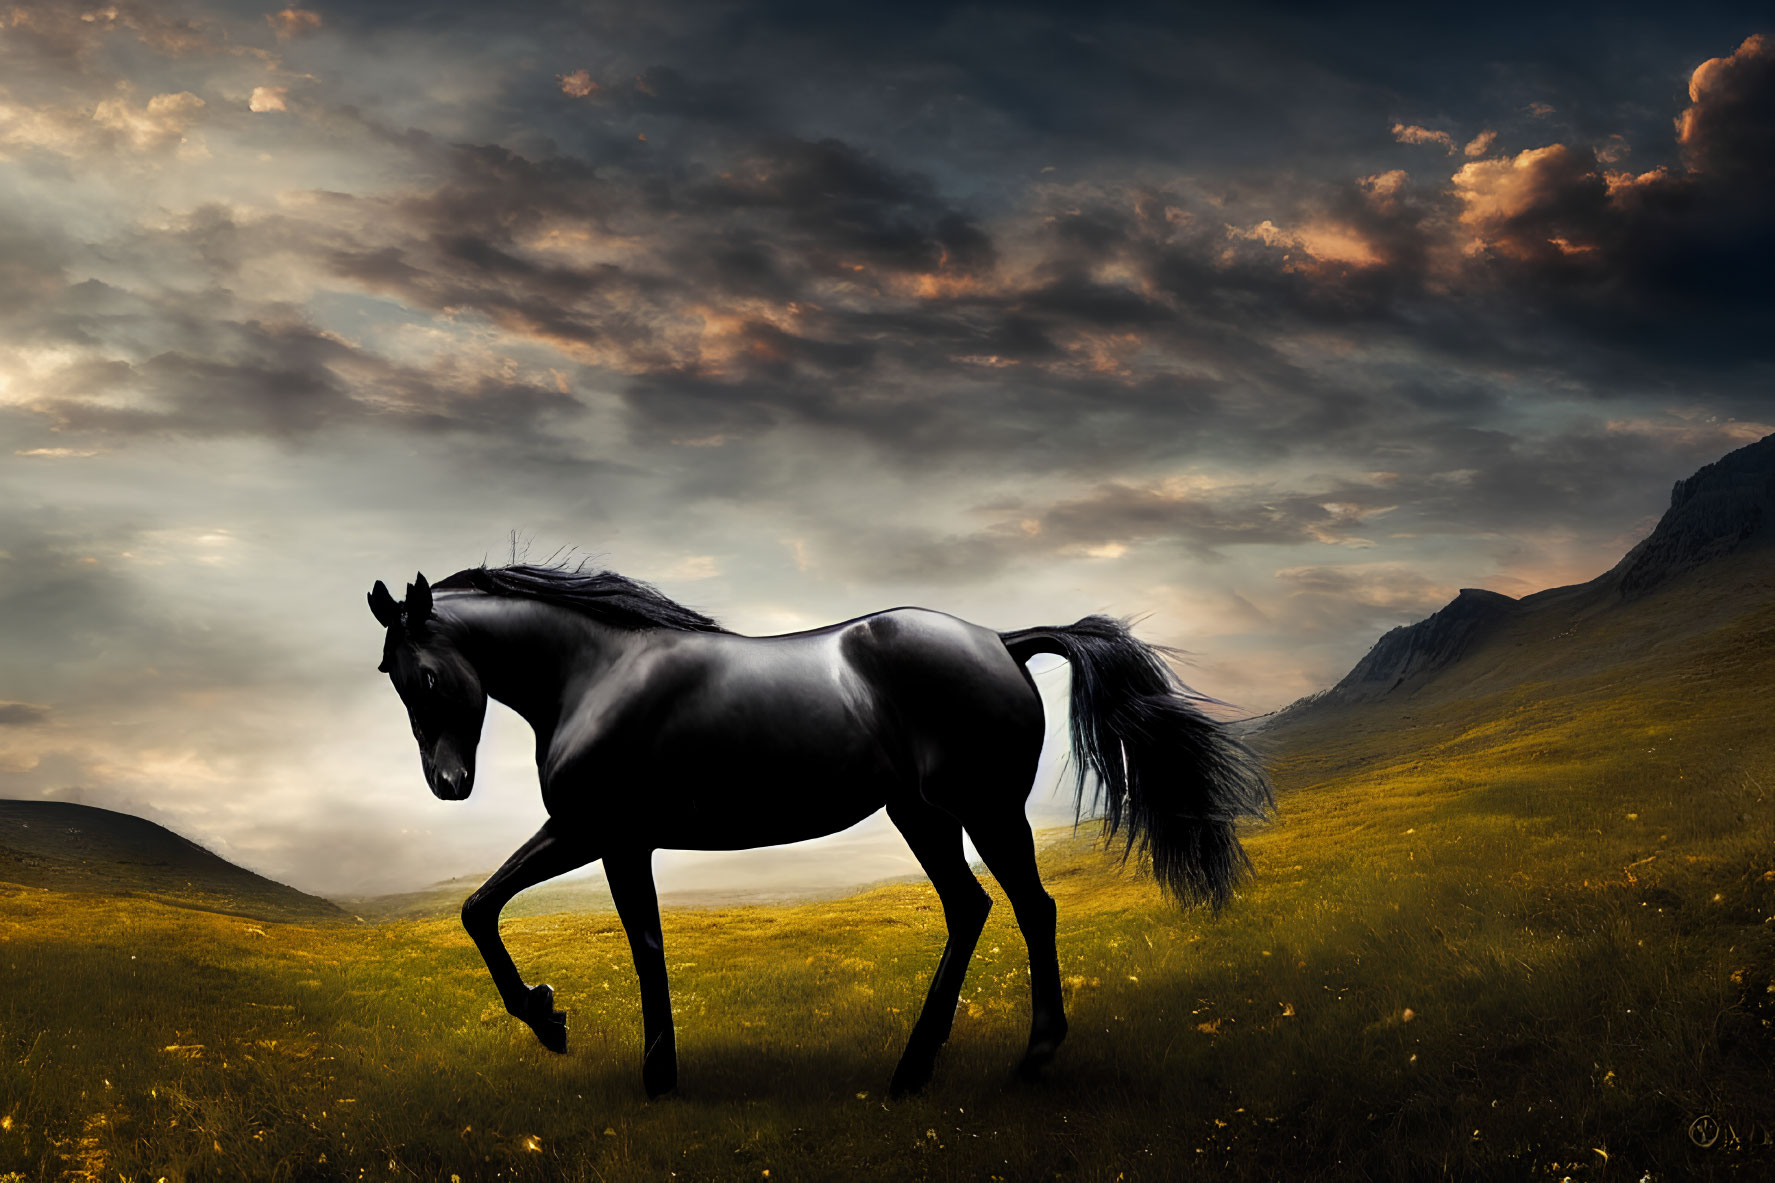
(61, 846)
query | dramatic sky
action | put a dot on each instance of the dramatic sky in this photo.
(1275, 326)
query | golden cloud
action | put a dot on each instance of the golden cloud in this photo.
(1727, 126)
(163, 120)
(579, 84)
(1321, 240)
(1383, 189)
(1411, 133)
(115, 123)
(293, 22)
(1493, 190)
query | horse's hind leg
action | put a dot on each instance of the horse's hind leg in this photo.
(1008, 848)
(630, 875)
(935, 838)
(546, 855)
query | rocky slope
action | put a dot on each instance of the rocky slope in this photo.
(1727, 506)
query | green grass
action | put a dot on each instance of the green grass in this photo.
(1524, 937)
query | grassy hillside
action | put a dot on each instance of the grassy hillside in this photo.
(65, 847)
(1529, 935)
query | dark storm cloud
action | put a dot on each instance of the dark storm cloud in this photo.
(83, 624)
(1672, 260)
(287, 382)
(278, 377)
(801, 283)
(842, 208)
(994, 93)
(760, 279)
(1329, 601)
(1484, 487)
(32, 264)
(22, 714)
(779, 216)
(1113, 517)
(792, 281)
(1371, 586)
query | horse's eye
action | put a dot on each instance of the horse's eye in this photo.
(431, 680)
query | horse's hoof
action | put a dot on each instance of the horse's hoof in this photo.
(549, 1024)
(553, 1033)
(909, 1079)
(659, 1081)
(1038, 1057)
(659, 1066)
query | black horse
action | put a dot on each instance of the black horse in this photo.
(657, 728)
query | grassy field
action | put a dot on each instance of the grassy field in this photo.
(1526, 937)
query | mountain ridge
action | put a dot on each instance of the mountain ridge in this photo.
(1721, 521)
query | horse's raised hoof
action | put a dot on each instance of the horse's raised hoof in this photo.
(549, 1024)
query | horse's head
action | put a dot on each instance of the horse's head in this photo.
(441, 690)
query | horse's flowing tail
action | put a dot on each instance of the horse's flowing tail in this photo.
(1166, 773)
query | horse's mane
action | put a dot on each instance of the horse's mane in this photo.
(604, 596)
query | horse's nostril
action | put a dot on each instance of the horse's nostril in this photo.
(451, 783)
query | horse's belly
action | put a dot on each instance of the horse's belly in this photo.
(722, 828)
(758, 795)
(727, 792)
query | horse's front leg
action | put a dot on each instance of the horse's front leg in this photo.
(546, 855)
(630, 875)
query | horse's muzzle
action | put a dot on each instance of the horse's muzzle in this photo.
(452, 784)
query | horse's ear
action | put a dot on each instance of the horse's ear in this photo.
(383, 607)
(418, 601)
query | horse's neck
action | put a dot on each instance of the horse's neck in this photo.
(528, 653)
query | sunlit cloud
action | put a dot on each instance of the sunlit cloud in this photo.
(294, 22)
(579, 84)
(1322, 241)
(1411, 133)
(1726, 126)
(1480, 144)
(164, 121)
